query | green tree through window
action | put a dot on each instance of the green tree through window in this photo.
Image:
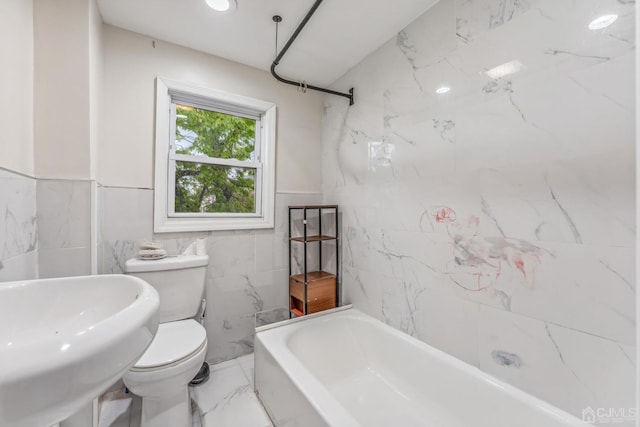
(209, 188)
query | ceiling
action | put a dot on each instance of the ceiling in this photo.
(338, 36)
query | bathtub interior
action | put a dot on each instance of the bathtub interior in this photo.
(366, 369)
(383, 377)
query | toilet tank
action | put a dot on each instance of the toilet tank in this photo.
(179, 281)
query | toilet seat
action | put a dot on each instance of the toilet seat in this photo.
(173, 343)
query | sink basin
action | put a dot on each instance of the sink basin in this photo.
(64, 341)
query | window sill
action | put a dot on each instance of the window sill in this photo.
(176, 225)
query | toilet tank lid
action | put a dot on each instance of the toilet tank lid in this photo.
(135, 265)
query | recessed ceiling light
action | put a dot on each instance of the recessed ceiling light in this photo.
(222, 5)
(505, 69)
(602, 22)
(443, 89)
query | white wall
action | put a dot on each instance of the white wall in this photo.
(95, 83)
(131, 64)
(16, 85)
(62, 107)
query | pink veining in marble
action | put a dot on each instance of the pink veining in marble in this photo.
(478, 262)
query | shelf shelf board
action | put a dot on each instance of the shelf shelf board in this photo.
(312, 276)
(297, 312)
(314, 207)
(312, 238)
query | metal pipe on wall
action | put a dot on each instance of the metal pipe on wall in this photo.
(286, 47)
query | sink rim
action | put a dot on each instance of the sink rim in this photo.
(35, 288)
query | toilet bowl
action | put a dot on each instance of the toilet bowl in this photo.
(161, 376)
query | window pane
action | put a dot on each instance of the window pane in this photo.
(213, 134)
(213, 188)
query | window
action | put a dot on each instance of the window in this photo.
(215, 160)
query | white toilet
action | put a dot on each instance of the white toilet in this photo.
(162, 374)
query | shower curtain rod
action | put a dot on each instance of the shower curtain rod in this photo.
(286, 47)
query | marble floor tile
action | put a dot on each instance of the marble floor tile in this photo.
(226, 399)
(239, 409)
(115, 409)
(246, 363)
(226, 381)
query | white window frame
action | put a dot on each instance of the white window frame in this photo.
(165, 220)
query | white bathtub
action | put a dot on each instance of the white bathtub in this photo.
(346, 369)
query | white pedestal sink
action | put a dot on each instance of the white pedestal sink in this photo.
(64, 341)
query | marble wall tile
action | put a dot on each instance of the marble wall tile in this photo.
(232, 253)
(509, 197)
(18, 227)
(440, 316)
(65, 221)
(64, 208)
(247, 271)
(114, 255)
(268, 317)
(246, 294)
(528, 352)
(476, 17)
(271, 250)
(62, 262)
(229, 337)
(20, 267)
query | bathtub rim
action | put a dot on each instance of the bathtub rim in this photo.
(302, 318)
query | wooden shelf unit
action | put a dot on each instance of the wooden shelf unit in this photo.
(313, 291)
